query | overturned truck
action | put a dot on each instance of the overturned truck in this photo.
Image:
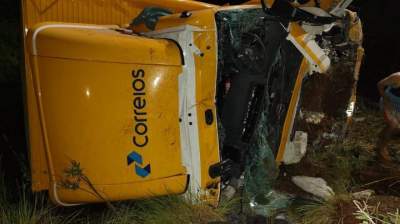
(137, 99)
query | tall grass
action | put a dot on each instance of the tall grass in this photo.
(31, 208)
(30, 211)
(20, 206)
(339, 163)
(166, 210)
(338, 166)
(322, 212)
(367, 214)
(36, 209)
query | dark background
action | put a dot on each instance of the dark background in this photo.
(381, 24)
(13, 150)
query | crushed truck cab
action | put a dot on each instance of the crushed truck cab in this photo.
(118, 112)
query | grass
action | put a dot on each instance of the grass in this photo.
(339, 163)
(20, 206)
(36, 209)
(25, 208)
(171, 209)
(27, 211)
(367, 214)
(321, 212)
(168, 210)
(343, 209)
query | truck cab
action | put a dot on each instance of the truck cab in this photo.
(118, 112)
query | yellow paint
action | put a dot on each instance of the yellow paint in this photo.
(328, 5)
(118, 192)
(202, 19)
(356, 36)
(355, 31)
(353, 98)
(252, 2)
(206, 75)
(299, 35)
(269, 3)
(80, 99)
(79, 90)
(38, 161)
(97, 11)
(84, 96)
(291, 112)
(77, 11)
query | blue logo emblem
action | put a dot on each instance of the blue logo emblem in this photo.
(136, 158)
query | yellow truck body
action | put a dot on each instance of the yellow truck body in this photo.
(117, 113)
(88, 95)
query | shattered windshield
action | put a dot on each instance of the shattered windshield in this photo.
(257, 70)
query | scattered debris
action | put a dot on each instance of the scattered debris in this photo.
(359, 119)
(312, 117)
(330, 136)
(267, 205)
(365, 194)
(281, 219)
(229, 192)
(296, 150)
(314, 185)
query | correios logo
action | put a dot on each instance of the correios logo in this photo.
(140, 138)
(140, 170)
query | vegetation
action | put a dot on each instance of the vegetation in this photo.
(321, 212)
(24, 207)
(20, 206)
(337, 164)
(367, 214)
(344, 166)
(36, 209)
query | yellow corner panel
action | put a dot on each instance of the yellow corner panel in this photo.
(97, 11)
(98, 102)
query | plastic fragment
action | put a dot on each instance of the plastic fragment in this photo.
(296, 150)
(314, 185)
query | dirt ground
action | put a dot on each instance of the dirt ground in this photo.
(350, 165)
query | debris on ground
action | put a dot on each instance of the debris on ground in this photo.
(267, 205)
(364, 194)
(314, 185)
(364, 189)
(296, 149)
